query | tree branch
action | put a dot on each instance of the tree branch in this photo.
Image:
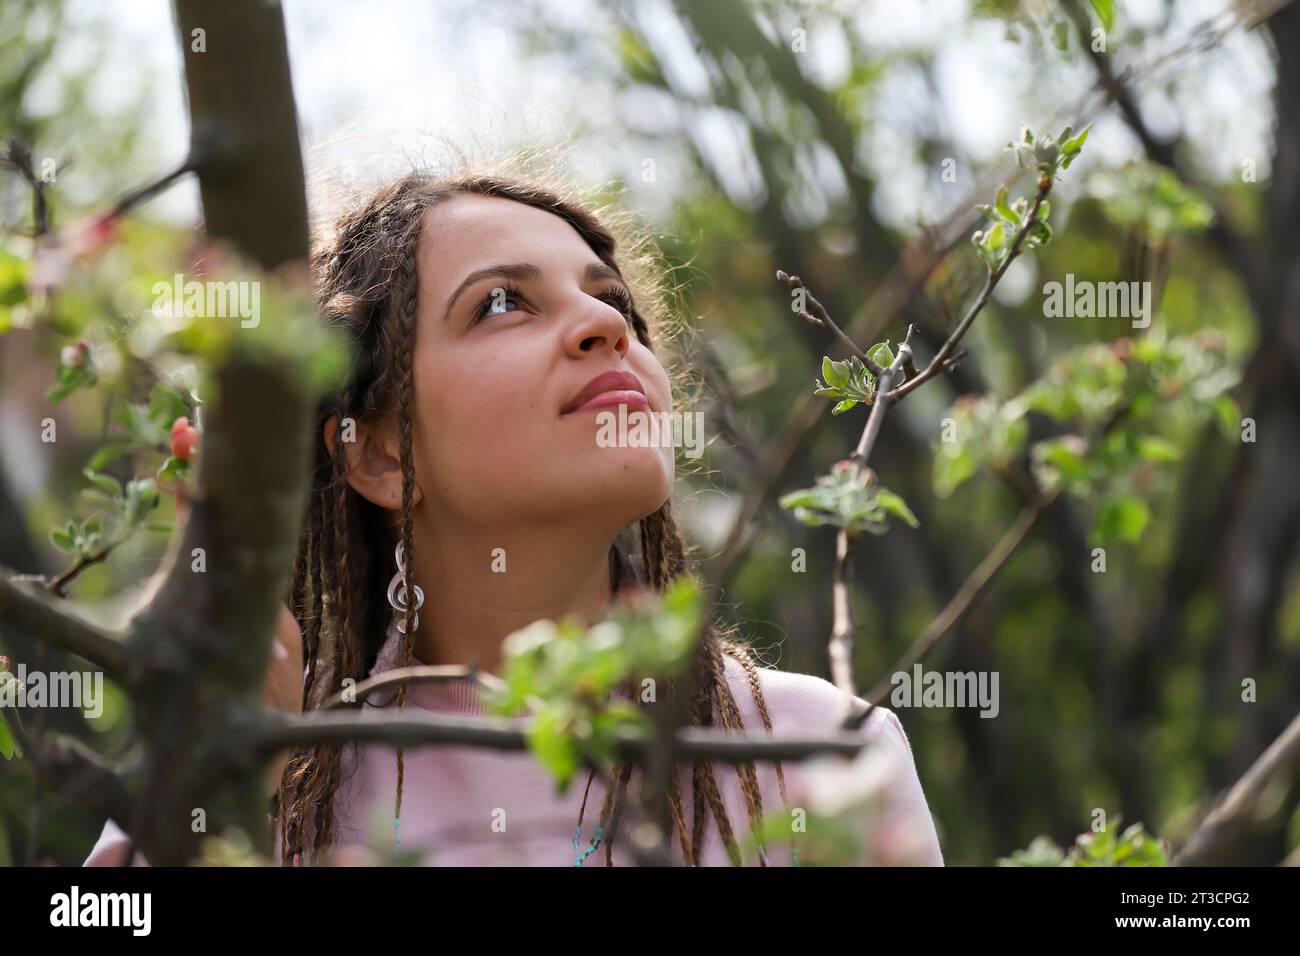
(941, 357)
(970, 591)
(273, 731)
(816, 315)
(31, 611)
(419, 674)
(72, 769)
(1234, 818)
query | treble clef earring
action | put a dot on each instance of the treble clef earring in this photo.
(398, 594)
(398, 597)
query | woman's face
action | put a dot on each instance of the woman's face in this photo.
(517, 316)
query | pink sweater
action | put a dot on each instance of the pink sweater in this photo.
(468, 807)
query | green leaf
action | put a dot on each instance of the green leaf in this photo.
(110, 452)
(1105, 10)
(7, 744)
(549, 742)
(1229, 415)
(105, 483)
(166, 404)
(953, 466)
(881, 354)
(141, 498)
(896, 506)
(1073, 146)
(1061, 36)
(848, 380)
(1156, 449)
(14, 271)
(1121, 518)
(63, 541)
(1003, 210)
(174, 468)
(834, 374)
(68, 381)
(1041, 852)
(1061, 460)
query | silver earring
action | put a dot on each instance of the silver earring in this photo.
(397, 594)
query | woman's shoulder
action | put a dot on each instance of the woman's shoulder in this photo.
(795, 703)
(804, 704)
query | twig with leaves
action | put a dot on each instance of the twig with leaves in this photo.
(850, 498)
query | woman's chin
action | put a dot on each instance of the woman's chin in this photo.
(637, 477)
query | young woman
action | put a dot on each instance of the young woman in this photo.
(493, 320)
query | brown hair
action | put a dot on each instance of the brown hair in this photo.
(367, 282)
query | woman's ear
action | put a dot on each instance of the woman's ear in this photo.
(374, 462)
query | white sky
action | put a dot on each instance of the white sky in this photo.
(380, 84)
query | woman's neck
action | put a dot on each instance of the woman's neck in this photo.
(481, 585)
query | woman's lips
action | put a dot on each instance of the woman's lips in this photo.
(612, 399)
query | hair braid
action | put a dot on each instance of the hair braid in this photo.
(408, 295)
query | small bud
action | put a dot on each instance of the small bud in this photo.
(185, 439)
(76, 355)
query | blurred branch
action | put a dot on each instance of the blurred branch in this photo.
(28, 610)
(72, 769)
(273, 731)
(58, 587)
(18, 156)
(1233, 245)
(1219, 838)
(129, 200)
(727, 403)
(967, 595)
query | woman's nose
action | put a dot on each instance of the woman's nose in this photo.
(598, 326)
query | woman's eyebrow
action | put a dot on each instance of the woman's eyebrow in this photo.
(524, 272)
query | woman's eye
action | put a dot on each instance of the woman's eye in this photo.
(497, 303)
(620, 300)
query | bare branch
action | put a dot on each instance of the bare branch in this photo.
(817, 315)
(969, 592)
(18, 155)
(420, 674)
(941, 358)
(728, 406)
(34, 613)
(59, 586)
(273, 731)
(129, 200)
(1233, 819)
(843, 629)
(73, 770)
